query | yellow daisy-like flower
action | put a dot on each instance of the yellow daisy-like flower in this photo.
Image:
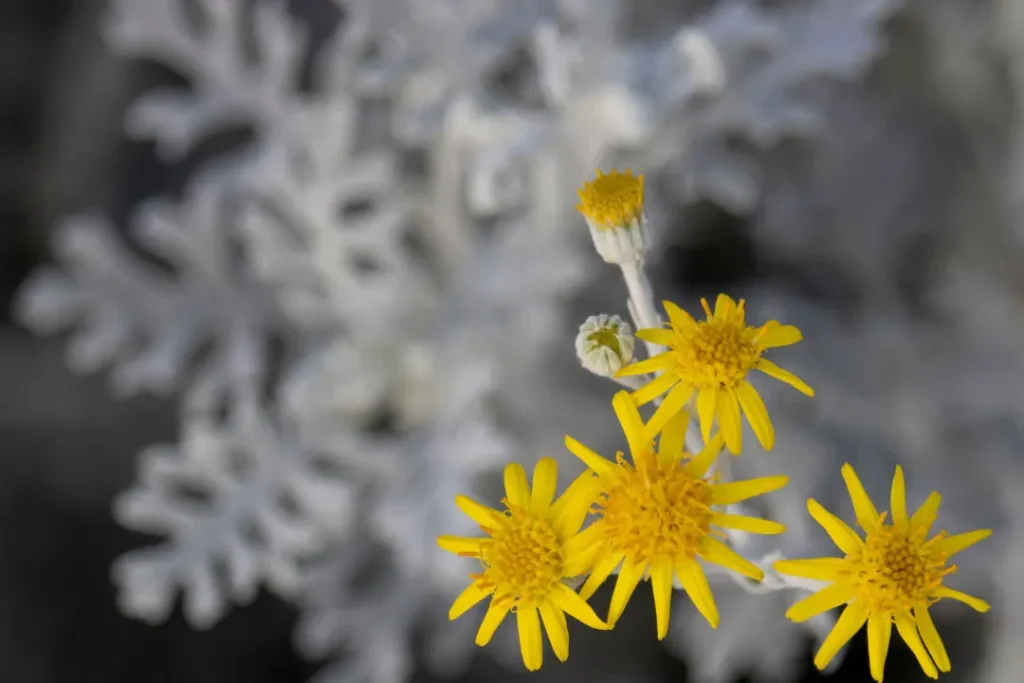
(525, 558)
(655, 517)
(613, 206)
(890, 577)
(712, 358)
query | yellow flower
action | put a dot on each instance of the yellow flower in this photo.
(524, 559)
(891, 576)
(655, 517)
(613, 206)
(713, 358)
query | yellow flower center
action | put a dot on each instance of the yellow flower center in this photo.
(895, 571)
(522, 559)
(606, 336)
(663, 514)
(719, 354)
(612, 200)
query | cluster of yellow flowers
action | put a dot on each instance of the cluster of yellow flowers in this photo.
(655, 513)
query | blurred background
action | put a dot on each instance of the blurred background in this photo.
(282, 277)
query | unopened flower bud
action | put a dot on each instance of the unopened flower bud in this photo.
(613, 205)
(604, 344)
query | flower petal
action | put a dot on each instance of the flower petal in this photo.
(629, 577)
(772, 370)
(707, 402)
(822, 601)
(571, 508)
(663, 361)
(599, 574)
(739, 491)
(863, 508)
(632, 424)
(545, 481)
(713, 550)
(974, 603)
(496, 612)
(487, 518)
(954, 544)
(932, 639)
(579, 552)
(531, 642)
(466, 600)
(898, 497)
(698, 467)
(879, 633)
(908, 631)
(672, 442)
(818, 568)
(772, 335)
(673, 404)
(754, 525)
(661, 586)
(679, 318)
(728, 411)
(725, 308)
(577, 608)
(602, 466)
(845, 538)
(926, 515)
(460, 545)
(655, 388)
(846, 627)
(695, 582)
(517, 488)
(557, 628)
(656, 335)
(757, 414)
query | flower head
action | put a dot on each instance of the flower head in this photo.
(656, 516)
(892, 576)
(712, 358)
(524, 560)
(613, 206)
(604, 344)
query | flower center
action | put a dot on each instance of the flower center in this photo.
(896, 572)
(665, 514)
(612, 200)
(522, 559)
(717, 355)
(607, 337)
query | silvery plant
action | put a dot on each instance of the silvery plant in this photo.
(368, 306)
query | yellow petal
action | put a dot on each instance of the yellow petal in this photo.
(663, 361)
(679, 318)
(558, 630)
(707, 401)
(707, 309)
(772, 370)
(579, 552)
(487, 518)
(699, 466)
(672, 442)
(822, 601)
(772, 335)
(576, 607)
(845, 538)
(754, 525)
(931, 638)
(460, 545)
(661, 586)
(908, 631)
(846, 627)
(863, 508)
(673, 404)
(925, 516)
(466, 600)
(599, 574)
(496, 612)
(713, 550)
(879, 632)
(656, 335)
(571, 508)
(632, 424)
(655, 388)
(739, 491)
(629, 577)
(517, 488)
(695, 583)
(728, 410)
(725, 308)
(898, 497)
(603, 467)
(818, 568)
(757, 414)
(531, 643)
(975, 603)
(954, 544)
(545, 481)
